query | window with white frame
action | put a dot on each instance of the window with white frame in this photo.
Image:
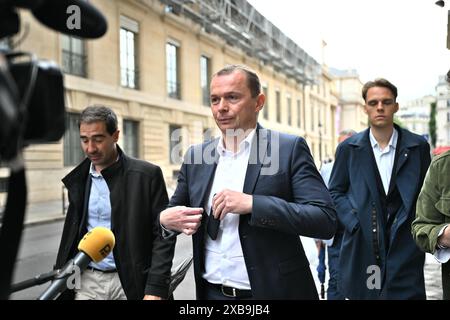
(289, 109)
(175, 144)
(73, 154)
(278, 105)
(205, 78)
(129, 75)
(131, 138)
(74, 58)
(266, 103)
(172, 70)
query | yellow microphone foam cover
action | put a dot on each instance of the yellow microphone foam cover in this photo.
(97, 243)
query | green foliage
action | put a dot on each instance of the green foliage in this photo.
(398, 122)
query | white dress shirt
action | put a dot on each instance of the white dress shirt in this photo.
(385, 158)
(224, 260)
(442, 255)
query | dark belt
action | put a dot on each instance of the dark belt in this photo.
(104, 271)
(231, 292)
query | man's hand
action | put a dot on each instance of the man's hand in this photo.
(181, 219)
(227, 201)
(150, 297)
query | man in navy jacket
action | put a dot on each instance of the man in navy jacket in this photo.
(375, 181)
(265, 190)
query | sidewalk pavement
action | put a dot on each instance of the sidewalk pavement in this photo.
(433, 278)
(44, 212)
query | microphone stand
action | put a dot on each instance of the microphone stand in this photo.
(37, 280)
(57, 274)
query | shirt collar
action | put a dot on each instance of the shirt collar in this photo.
(94, 173)
(392, 141)
(244, 145)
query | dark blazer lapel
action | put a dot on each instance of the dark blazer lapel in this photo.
(406, 143)
(258, 152)
(205, 174)
(408, 179)
(75, 182)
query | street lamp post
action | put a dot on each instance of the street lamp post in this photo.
(320, 143)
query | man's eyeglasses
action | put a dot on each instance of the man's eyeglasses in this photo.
(385, 102)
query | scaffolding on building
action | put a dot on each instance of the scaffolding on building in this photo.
(241, 25)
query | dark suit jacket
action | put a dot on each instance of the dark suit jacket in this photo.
(291, 201)
(354, 190)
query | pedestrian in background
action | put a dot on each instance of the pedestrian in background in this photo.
(333, 245)
(375, 181)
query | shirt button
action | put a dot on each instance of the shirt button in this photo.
(374, 230)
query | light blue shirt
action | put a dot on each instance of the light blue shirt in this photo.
(385, 158)
(325, 172)
(99, 213)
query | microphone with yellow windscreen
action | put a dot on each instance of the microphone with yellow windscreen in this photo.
(96, 245)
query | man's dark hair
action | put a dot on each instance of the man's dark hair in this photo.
(380, 82)
(98, 113)
(252, 78)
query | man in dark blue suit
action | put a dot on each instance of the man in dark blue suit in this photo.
(375, 181)
(246, 197)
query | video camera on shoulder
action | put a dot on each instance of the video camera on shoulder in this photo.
(32, 106)
(34, 110)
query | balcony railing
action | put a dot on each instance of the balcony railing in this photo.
(174, 89)
(74, 63)
(206, 99)
(129, 78)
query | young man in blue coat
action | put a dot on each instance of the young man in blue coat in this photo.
(375, 182)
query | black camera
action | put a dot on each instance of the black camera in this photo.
(32, 90)
(34, 109)
(32, 105)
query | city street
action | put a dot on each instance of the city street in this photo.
(40, 244)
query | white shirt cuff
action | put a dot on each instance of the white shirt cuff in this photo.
(329, 242)
(442, 255)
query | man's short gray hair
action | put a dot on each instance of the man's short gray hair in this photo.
(98, 113)
(253, 82)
